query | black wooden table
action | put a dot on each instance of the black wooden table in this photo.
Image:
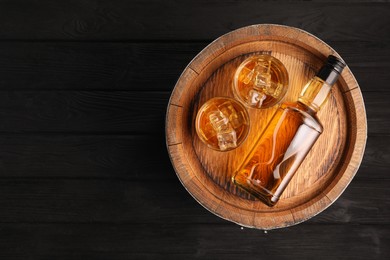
(84, 171)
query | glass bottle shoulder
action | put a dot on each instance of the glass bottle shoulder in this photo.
(308, 116)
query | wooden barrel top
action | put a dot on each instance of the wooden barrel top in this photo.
(206, 173)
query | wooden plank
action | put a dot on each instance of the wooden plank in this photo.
(201, 241)
(89, 201)
(156, 201)
(354, 208)
(157, 20)
(378, 114)
(144, 66)
(376, 163)
(93, 66)
(119, 112)
(128, 157)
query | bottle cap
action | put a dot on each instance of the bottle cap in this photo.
(331, 70)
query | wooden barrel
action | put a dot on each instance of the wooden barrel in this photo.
(206, 173)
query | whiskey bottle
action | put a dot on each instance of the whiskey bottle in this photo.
(288, 137)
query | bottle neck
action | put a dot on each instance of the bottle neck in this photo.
(315, 94)
(317, 90)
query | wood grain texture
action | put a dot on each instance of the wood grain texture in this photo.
(333, 161)
(140, 241)
(94, 156)
(93, 65)
(119, 20)
(117, 112)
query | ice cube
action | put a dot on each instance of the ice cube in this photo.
(235, 119)
(261, 83)
(260, 75)
(249, 77)
(219, 121)
(226, 135)
(274, 89)
(255, 98)
(262, 80)
(227, 140)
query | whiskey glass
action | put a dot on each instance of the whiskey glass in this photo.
(260, 81)
(222, 123)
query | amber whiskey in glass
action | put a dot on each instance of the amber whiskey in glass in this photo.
(222, 123)
(261, 81)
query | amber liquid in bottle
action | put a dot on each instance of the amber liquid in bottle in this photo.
(281, 148)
